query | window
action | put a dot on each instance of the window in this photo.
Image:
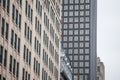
(87, 13)
(10, 66)
(86, 44)
(15, 42)
(80, 70)
(81, 57)
(14, 66)
(75, 71)
(86, 51)
(1, 53)
(86, 64)
(65, 1)
(5, 58)
(76, 7)
(16, 17)
(7, 31)
(19, 45)
(8, 6)
(86, 71)
(65, 7)
(17, 70)
(3, 26)
(75, 64)
(86, 57)
(19, 21)
(71, 13)
(81, 64)
(13, 12)
(4, 3)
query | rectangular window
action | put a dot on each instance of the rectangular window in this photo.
(5, 58)
(29, 11)
(30, 36)
(19, 21)
(7, 31)
(23, 74)
(24, 52)
(4, 3)
(1, 53)
(8, 6)
(13, 12)
(14, 66)
(21, 2)
(31, 15)
(16, 17)
(19, 45)
(3, 26)
(29, 58)
(25, 32)
(28, 76)
(17, 71)
(26, 8)
(10, 66)
(15, 42)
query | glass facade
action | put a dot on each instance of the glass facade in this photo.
(77, 36)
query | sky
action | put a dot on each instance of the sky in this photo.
(108, 37)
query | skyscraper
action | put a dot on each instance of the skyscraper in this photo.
(79, 19)
(30, 39)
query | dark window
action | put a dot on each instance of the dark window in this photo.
(4, 78)
(17, 71)
(31, 14)
(16, 16)
(14, 68)
(28, 76)
(7, 30)
(24, 52)
(39, 69)
(19, 21)
(10, 66)
(1, 53)
(8, 6)
(35, 43)
(13, 12)
(23, 74)
(26, 7)
(15, 42)
(27, 55)
(21, 2)
(28, 30)
(30, 36)
(3, 26)
(4, 3)
(29, 11)
(25, 29)
(29, 58)
(34, 64)
(19, 45)
(12, 37)
(5, 58)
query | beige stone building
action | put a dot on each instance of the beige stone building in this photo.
(30, 39)
(100, 70)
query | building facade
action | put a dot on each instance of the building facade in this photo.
(100, 70)
(79, 19)
(30, 39)
(65, 67)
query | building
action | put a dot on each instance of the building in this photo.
(79, 19)
(100, 70)
(30, 39)
(65, 68)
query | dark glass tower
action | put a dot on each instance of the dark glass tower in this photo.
(79, 36)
